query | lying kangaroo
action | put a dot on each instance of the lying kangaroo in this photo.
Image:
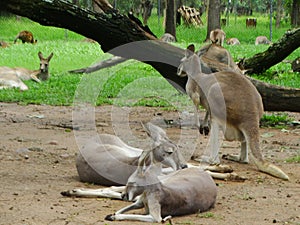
(26, 37)
(262, 40)
(179, 193)
(233, 41)
(108, 161)
(238, 117)
(4, 44)
(12, 77)
(217, 36)
(168, 38)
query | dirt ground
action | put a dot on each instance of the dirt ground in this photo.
(38, 151)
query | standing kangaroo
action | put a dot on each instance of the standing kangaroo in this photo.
(12, 77)
(217, 36)
(234, 105)
(214, 55)
(25, 36)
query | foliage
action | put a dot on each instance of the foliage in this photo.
(131, 83)
(295, 159)
(278, 120)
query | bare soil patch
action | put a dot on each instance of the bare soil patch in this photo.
(38, 151)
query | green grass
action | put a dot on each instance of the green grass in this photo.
(131, 83)
(295, 159)
(278, 120)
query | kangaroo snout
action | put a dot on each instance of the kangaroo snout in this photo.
(183, 166)
(124, 196)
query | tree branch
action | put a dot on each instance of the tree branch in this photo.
(277, 52)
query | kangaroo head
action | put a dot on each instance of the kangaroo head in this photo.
(189, 62)
(163, 149)
(44, 66)
(143, 178)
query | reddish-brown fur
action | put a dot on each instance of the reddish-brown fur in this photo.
(25, 36)
(251, 22)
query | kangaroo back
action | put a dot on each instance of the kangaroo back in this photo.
(25, 36)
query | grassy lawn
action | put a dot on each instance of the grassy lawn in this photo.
(130, 83)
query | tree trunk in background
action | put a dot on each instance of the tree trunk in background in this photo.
(213, 18)
(147, 9)
(278, 13)
(295, 13)
(178, 16)
(277, 52)
(112, 30)
(170, 18)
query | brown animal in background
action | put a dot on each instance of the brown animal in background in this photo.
(238, 118)
(3, 44)
(217, 36)
(251, 22)
(262, 40)
(12, 77)
(25, 36)
(233, 41)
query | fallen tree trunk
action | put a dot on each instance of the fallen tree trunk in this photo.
(112, 30)
(277, 52)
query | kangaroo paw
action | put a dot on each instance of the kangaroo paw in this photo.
(235, 158)
(110, 217)
(204, 130)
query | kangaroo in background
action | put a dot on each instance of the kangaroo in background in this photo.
(12, 77)
(262, 40)
(217, 36)
(238, 117)
(233, 41)
(25, 36)
(4, 44)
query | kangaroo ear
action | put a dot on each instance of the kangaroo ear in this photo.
(191, 48)
(189, 51)
(50, 56)
(40, 55)
(155, 132)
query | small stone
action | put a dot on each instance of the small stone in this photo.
(53, 142)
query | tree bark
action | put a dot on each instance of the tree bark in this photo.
(170, 18)
(213, 20)
(112, 29)
(278, 13)
(295, 13)
(277, 52)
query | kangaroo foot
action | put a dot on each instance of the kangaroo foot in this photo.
(271, 169)
(235, 158)
(204, 130)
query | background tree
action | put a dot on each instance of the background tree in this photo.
(170, 24)
(279, 12)
(213, 17)
(295, 13)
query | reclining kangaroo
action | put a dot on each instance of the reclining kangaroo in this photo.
(181, 192)
(12, 77)
(109, 161)
(234, 105)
